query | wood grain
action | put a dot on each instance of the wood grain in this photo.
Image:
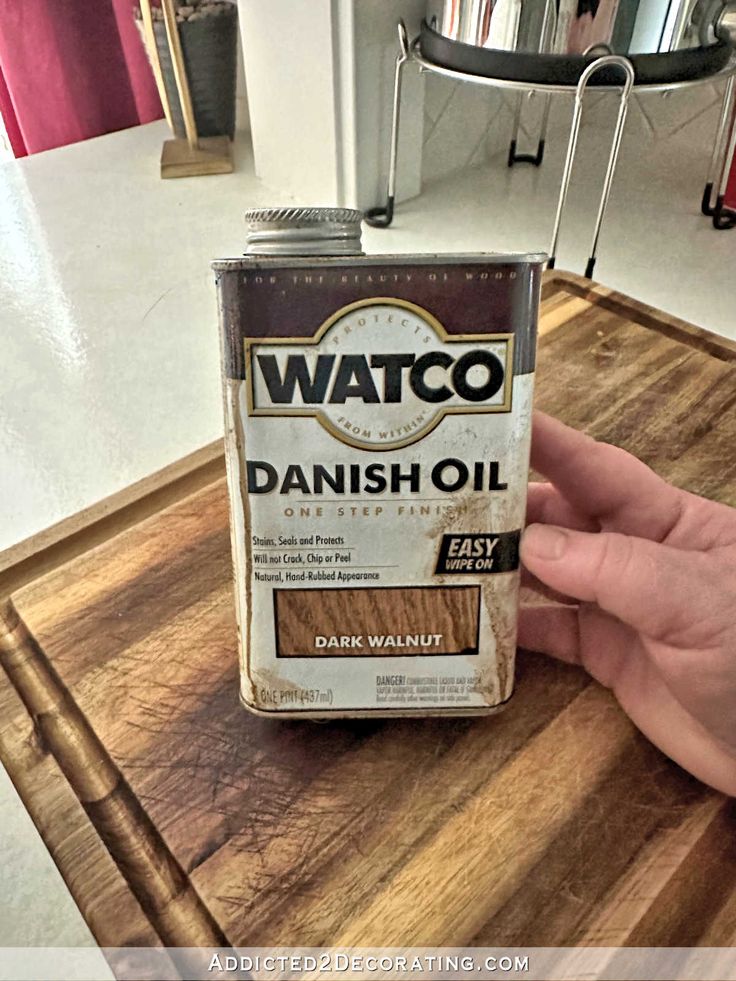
(180, 72)
(175, 816)
(429, 620)
(149, 36)
(210, 155)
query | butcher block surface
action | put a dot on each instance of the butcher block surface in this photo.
(177, 817)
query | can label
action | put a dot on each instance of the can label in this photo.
(377, 457)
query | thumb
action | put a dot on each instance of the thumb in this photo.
(658, 590)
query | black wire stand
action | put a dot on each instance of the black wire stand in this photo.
(724, 147)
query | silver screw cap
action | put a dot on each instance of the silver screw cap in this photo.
(303, 231)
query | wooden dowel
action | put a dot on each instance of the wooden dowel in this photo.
(150, 35)
(180, 73)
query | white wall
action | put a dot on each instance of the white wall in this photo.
(289, 76)
(466, 125)
(319, 76)
(376, 47)
(242, 110)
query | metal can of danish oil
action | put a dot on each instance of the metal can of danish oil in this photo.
(378, 418)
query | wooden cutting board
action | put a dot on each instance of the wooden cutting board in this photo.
(177, 817)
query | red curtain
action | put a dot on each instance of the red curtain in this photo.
(71, 69)
(730, 196)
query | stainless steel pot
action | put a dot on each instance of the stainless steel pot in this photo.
(536, 40)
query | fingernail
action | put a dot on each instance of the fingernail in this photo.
(544, 542)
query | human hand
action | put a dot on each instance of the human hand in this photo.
(644, 582)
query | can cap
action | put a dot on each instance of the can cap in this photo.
(303, 231)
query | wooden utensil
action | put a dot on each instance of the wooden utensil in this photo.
(195, 155)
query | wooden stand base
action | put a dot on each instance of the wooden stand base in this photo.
(212, 155)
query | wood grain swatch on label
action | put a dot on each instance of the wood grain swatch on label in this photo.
(377, 622)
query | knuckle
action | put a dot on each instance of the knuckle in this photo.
(714, 591)
(615, 558)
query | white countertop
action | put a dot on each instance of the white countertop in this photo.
(109, 324)
(111, 354)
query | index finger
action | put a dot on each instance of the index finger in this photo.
(604, 481)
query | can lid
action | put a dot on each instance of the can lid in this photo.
(303, 231)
